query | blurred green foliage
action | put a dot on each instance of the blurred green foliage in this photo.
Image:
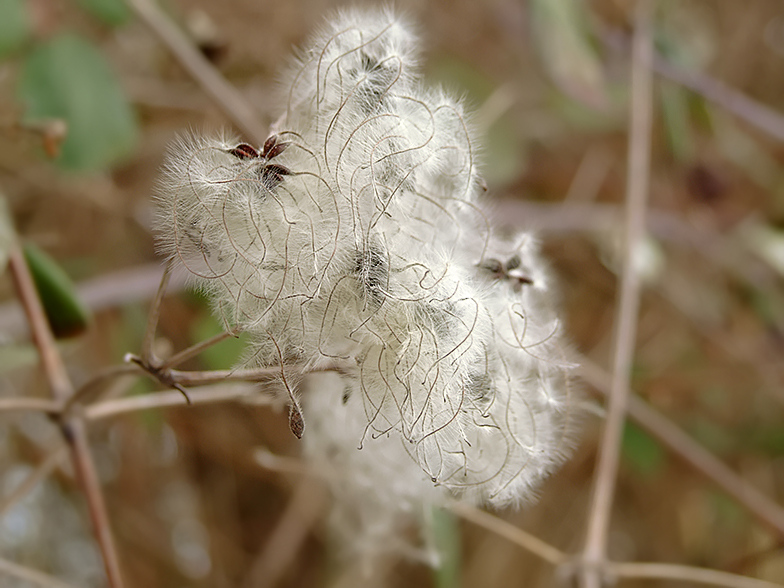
(68, 78)
(562, 35)
(112, 12)
(642, 453)
(223, 355)
(14, 26)
(67, 315)
(445, 530)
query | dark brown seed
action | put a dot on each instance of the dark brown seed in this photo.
(269, 144)
(244, 151)
(276, 150)
(296, 422)
(280, 170)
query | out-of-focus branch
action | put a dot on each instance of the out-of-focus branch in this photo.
(637, 186)
(225, 96)
(29, 405)
(71, 425)
(765, 510)
(760, 116)
(558, 219)
(30, 575)
(507, 530)
(45, 468)
(223, 392)
(304, 509)
(660, 571)
(607, 569)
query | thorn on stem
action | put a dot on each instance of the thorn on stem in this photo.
(183, 391)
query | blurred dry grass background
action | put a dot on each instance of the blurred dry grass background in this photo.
(189, 504)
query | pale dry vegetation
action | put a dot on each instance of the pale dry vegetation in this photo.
(217, 495)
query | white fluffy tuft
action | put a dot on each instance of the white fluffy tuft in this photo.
(360, 240)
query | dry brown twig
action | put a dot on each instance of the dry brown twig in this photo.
(305, 507)
(104, 409)
(762, 117)
(765, 510)
(46, 467)
(27, 575)
(608, 570)
(223, 392)
(230, 101)
(594, 553)
(71, 424)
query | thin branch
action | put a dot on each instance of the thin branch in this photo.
(626, 320)
(283, 464)
(30, 575)
(765, 510)
(302, 512)
(94, 387)
(681, 573)
(71, 425)
(611, 570)
(171, 378)
(205, 395)
(755, 113)
(29, 405)
(194, 350)
(762, 117)
(108, 290)
(147, 351)
(225, 96)
(507, 530)
(46, 467)
(52, 364)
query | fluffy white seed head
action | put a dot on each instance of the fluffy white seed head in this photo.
(355, 236)
(378, 489)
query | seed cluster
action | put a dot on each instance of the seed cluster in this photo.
(355, 236)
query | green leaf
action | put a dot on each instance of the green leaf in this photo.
(641, 451)
(66, 313)
(562, 36)
(67, 78)
(14, 26)
(112, 12)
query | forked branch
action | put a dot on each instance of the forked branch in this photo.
(71, 425)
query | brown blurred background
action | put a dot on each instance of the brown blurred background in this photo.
(189, 504)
